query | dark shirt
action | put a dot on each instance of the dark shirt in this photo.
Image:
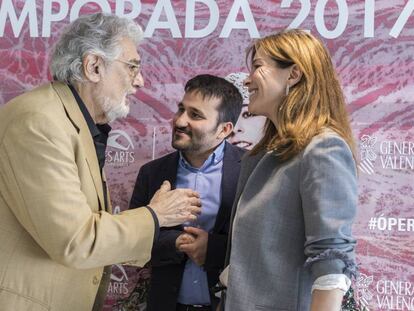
(99, 133)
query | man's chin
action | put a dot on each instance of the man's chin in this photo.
(181, 146)
(125, 112)
(115, 114)
(114, 109)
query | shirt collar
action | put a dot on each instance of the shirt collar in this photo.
(214, 158)
(93, 128)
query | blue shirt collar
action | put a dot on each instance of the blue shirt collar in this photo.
(214, 158)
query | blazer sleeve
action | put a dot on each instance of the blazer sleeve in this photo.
(164, 251)
(328, 188)
(44, 191)
(216, 251)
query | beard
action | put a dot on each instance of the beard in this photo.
(194, 142)
(113, 109)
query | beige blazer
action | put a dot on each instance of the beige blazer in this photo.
(54, 240)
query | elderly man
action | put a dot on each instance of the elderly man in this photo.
(56, 229)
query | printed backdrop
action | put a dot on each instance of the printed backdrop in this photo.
(371, 43)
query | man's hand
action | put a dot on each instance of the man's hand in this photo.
(196, 250)
(174, 207)
(183, 238)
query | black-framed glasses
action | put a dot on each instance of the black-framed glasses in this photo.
(134, 68)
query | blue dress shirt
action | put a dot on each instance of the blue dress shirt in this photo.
(206, 180)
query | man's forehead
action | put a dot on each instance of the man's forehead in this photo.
(198, 100)
(129, 50)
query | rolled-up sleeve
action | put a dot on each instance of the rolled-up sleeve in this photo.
(328, 189)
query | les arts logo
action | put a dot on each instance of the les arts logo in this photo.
(120, 149)
(119, 280)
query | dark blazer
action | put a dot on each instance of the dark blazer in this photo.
(167, 263)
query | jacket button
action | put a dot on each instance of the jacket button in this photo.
(95, 280)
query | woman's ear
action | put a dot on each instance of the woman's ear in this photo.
(295, 75)
(92, 67)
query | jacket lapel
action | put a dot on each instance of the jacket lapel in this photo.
(248, 164)
(75, 115)
(231, 169)
(108, 197)
(170, 169)
(166, 171)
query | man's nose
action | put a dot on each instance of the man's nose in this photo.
(181, 120)
(138, 80)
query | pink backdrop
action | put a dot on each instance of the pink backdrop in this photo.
(371, 43)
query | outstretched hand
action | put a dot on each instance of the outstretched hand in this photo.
(174, 207)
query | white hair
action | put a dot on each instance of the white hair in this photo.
(97, 34)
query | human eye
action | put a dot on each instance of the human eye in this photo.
(195, 115)
(256, 64)
(254, 67)
(180, 109)
(246, 114)
(134, 68)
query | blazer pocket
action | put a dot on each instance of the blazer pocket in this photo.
(12, 300)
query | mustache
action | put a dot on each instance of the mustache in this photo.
(184, 130)
(130, 92)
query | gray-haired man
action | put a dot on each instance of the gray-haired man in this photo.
(56, 229)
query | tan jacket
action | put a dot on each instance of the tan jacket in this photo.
(54, 240)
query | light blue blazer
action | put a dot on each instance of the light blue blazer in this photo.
(292, 225)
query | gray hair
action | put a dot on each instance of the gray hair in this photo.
(98, 34)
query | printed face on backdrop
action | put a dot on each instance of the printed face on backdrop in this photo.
(122, 77)
(195, 124)
(248, 129)
(266, 85)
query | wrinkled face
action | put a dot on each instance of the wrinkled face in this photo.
(266, 84)
(248, 130)
(122, 78)
(195, 128)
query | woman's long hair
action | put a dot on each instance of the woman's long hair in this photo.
(314, 103)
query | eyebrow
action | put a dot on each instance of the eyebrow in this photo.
(197, 111)
(135, 61)
(180, 104)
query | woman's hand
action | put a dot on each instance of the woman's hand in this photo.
(327, 300)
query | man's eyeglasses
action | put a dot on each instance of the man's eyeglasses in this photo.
(134, 69)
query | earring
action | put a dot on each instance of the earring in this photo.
(287, 89)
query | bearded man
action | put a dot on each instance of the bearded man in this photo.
(186, 260)
(57, 232)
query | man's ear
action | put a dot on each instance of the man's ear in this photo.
(226, 129)
(92, 67)
(295, 75)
